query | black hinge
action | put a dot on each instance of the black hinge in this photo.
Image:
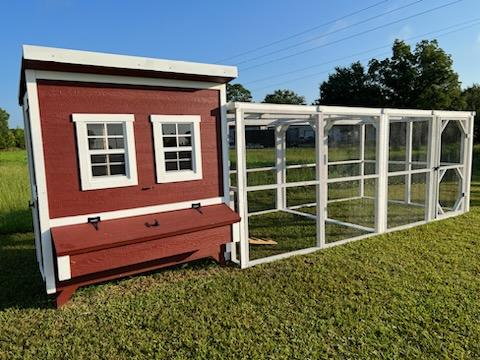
(197, 206)
(31, 204)
(94, 221)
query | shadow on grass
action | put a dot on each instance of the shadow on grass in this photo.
(20, 280)
(475, 187)
(16, 221)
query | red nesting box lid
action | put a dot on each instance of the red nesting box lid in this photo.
(82, 238)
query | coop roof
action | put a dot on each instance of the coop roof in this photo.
(55, 59)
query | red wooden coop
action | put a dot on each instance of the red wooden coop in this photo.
(128, 163)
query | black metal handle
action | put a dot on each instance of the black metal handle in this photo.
(31, 204)
(155, 223)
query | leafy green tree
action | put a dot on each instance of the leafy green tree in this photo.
(19, 136)
(423, 78)
(4, 131)
(237, 92)
(284, 96)
(437, 84)
(471, 96)
(349, 86)
(395, 77)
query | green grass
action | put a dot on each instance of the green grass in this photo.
(15, 216)
(408, 294)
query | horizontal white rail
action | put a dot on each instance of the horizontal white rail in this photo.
(345, 162)
(295, 212)
(262, 212)
(351, 225)
(352, 178)
(294, 207)
(407, 172)
(286, 185)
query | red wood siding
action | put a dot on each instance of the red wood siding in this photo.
(180, 247)
(58, 100)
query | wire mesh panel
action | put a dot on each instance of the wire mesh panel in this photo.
(400, 211)
(451, 170)
(351, 177)
(275, 226)
(410, 143)
(371, 170)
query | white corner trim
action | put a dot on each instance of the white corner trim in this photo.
(88, 181)
(118, 214)
(41, 181)
(164, 176)
(63, 267)
(67, 56)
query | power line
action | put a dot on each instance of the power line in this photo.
(363, 52)
(353, 35)
(331, 32)
(304, 31)
(475, 23)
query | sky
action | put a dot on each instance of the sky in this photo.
(281, 44)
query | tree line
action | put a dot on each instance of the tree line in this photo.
(417, 78)
(10, 138)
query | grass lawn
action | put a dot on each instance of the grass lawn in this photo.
(408, 294)
(14, 193)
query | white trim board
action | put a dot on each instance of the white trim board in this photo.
(117, 214)
(63, 267)
(124, 80)
(41, 181)
(89, 58)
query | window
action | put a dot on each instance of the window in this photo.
(106, 150)
(177, 147)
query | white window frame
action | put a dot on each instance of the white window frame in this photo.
(90, 182)
(164, 176)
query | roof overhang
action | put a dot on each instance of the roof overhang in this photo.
(65, 60)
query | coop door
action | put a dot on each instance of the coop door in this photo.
(451, 166)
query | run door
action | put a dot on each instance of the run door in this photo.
(451, 166)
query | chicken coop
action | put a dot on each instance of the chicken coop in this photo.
(137, 164)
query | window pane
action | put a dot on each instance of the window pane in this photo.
(115, 129)
(117, 169)
(116, 143)
(96, 144)
(170, 142)
(169, 129)
(95, 129)
(171, 166)
(116, 158)
(184, 129)
(184, 141)
(99, 159)
(171, 155)
(99, 170)
(185, 154)
(186, 165)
